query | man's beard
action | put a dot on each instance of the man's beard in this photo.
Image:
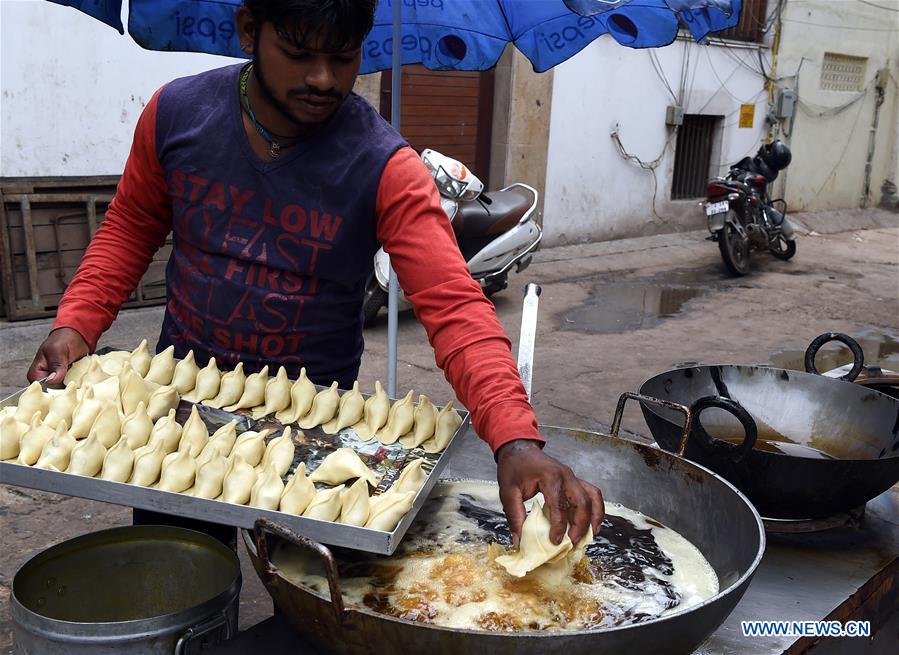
(280, 106)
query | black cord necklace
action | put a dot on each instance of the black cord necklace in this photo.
(268, 135)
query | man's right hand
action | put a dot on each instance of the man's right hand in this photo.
(56, 354)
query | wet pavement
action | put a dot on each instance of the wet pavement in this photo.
(612, 315)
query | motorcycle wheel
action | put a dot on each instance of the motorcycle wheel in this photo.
(782, 248)
(375, 298)
(734, 250)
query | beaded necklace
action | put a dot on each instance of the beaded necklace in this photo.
(274, 146)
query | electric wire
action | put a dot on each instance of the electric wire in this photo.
(871, 4)
(839, 160)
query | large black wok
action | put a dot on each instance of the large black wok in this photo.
(814, 446)
(703, 507)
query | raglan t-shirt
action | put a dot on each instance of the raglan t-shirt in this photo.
(270, 258)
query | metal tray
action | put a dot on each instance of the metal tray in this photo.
(387, 461)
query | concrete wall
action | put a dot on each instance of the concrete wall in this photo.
(73, 88)
(592, 191)
(830, 136)
(522, 104)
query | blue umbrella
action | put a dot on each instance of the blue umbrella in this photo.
(441, 35)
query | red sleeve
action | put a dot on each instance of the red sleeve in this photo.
(137, 222)
(468, 340)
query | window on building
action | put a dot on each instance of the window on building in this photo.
(696, 140)
(843, 72)
(751, 25)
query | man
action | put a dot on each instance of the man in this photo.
(278, 184)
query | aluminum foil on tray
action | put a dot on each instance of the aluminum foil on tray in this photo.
(311, 446)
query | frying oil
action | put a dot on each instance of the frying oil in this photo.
(444, 572)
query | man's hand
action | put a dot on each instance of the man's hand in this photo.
(56, 354)
(523, 469)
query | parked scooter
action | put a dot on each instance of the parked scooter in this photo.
(741, 215)
(496, 231)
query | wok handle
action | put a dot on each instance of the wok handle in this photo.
(858, 356)
(735, 409)
(677, 407)
(264, 526)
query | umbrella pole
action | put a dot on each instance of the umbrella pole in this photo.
(393, 284)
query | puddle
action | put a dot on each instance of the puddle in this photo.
(880, 345)
(616, 307)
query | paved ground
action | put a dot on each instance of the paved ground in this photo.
(611, 315)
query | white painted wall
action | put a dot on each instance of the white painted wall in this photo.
(73, 88)
(830, 150)
(591, 191)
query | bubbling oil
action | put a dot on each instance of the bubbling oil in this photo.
(444, 572)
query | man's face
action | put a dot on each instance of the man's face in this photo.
(306, 85)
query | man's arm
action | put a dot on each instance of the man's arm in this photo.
(137, 222)
(469, 342)
(472, 348)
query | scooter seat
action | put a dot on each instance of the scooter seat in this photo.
(500, 212)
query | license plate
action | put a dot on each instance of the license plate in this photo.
(713, 208)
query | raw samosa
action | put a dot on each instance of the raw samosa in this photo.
(302, 393)
(325, 504)
(58, 451)
(349, 411)
(209, 379)
(33, 441)
(194, 435)
(31, 401)
(210, 475)
(118, 462)
(324, 407)
(148, 464)
(231, 388)
(279, 451)
(412, 478)
(342, 465)
(298, 492)
(374, 414)
(87, 456)
(184, 379)
(277, 395)
(162, 401)
(108, 424)
(162, 367)
(266, 493)
(354, 504)
(250, 446)
(238, 482)
(167, 432)
(62, 406)
(137, 426)
(388, 510)
(140, 359)
(253, 391)
(425, 423)
(399, 420)
(448, 421)
(11, 432)
(179, 473)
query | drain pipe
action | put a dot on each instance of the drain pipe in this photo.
(879, 94)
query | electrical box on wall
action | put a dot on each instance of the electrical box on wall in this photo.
(786, 103)
(674, 115)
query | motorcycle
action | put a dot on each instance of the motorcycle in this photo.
(495, 230)
(742, 217)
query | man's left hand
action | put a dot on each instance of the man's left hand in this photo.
(523, 469)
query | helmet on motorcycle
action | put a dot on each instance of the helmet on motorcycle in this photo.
(776, 155)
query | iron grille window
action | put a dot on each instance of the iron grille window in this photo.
(693, 155)
(752, 21)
